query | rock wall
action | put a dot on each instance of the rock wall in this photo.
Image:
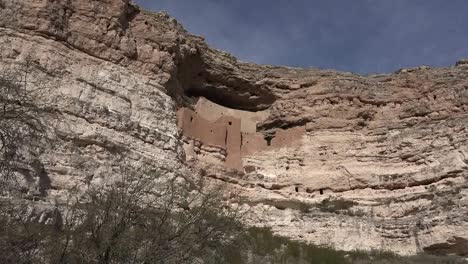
(82, 53)
(382, 162)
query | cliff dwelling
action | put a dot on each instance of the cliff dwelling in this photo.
(221, 135)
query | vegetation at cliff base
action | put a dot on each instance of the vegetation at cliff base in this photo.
(260, 245)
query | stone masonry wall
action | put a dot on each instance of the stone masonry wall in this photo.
(226, 132)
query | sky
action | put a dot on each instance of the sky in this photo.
(360, 36)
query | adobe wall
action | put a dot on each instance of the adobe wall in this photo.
(288, 137)
(212, 112)
(233, 141)
(252, 143)
(194, 126)
(226, 133)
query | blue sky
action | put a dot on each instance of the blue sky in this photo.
(362, 36)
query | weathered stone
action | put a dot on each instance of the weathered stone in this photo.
(372, 162)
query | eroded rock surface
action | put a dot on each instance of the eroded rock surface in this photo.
(382, 162)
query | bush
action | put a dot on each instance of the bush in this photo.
(140, 219)
(22, 126)
(262, 246)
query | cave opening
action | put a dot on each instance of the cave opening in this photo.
(231, 98)
(296, 189)
(321, 191)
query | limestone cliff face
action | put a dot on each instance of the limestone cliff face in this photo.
(381, 161)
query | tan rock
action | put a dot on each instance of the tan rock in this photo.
(381, 162)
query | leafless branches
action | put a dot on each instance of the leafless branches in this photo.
(148, 218)
(21, 120)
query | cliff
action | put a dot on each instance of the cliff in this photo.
(332, 158)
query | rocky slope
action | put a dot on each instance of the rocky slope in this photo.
(383, 163)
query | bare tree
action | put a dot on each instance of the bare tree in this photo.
(151, 217)
(22, 125)
(21, 232)
(142, 218)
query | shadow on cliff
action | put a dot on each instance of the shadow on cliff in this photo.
(36, 175)
(199, 75)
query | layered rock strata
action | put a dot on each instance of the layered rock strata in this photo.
(381, 162)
